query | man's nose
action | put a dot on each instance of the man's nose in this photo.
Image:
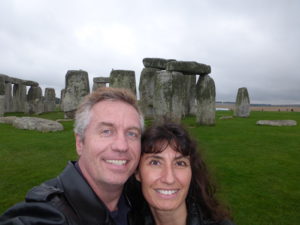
(168, 174)
(120, 143)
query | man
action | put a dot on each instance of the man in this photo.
(108, 127)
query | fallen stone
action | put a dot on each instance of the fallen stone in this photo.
(157, 63)
(188, 67)
(278, 123)
(8, 119)
(39, 124)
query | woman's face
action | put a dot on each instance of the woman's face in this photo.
(165, 178)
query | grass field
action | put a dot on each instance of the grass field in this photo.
(256, 167)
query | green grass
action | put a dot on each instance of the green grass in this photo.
(256, 167)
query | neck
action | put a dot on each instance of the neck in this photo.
(108, 193)
(177, 217)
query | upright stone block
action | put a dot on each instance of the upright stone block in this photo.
(8, 98)
(146, 90)
(49, 100)
(100, 82)
(62, 96)
(242, 103)
(190, 101)
(168, 96)
(19, 97)
(206, 100)
(123, 79)
(2, 96)
(35, 104)
(77, 86)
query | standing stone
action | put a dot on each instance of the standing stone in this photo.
(168, 96)
(2, 96)
(190, 101)
(62, 96)
(206, 97)
(242, 103)
(35, 103)
(100, 82)
(19, 97)
(49, 100)
(8, 98)
(77, 86)
(123, 79)
(146, 90)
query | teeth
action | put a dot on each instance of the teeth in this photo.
(117, 162)
(167, 192)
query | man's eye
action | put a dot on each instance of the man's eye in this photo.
(154, 162)
(133, 134)
(106, 132)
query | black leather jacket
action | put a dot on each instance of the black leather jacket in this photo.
(65, 200)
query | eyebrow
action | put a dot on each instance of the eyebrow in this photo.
(108, 124)
(155, 156)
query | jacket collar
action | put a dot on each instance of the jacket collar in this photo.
(89, 208)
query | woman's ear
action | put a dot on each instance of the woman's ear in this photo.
(137, 175)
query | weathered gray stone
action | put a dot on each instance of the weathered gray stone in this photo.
(49, 100)
(7, 119)
(146, 90)
(19, 97)
(242, 103)
(8, 107)
(62, 96)
(35, 104)
(157, 63)
(2, 86)
(123, 79)
(39, 124)
(278, 123)
(2, 104)
(168, 97)
(190, 89)
(206, 97)
(77, 86)
(188, 67)
(2, 96)
(30, 83)
(100, 82)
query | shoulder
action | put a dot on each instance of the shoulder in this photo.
(39, 207)
(32, 213)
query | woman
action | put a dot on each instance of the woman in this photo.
(174, 181)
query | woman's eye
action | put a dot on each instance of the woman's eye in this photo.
(154, 162)
(182, 163)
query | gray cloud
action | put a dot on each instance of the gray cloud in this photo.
(253, 44)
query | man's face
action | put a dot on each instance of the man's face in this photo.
(110, 151)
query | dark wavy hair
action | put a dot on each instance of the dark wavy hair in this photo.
(202, 190)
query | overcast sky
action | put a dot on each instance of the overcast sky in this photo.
(247, 43)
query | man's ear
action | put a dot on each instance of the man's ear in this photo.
(79, 144)
(137, 175)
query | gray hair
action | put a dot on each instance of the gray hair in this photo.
(83, 115)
